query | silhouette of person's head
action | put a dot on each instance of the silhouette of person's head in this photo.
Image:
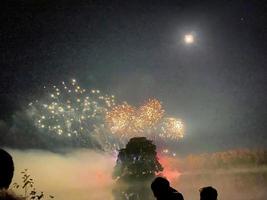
(6, 169)
(160, 187)
(162, 190)
(208, 193)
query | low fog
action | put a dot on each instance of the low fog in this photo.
(86, 175)
(81, 174)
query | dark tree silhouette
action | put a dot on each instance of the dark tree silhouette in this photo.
(138, 161)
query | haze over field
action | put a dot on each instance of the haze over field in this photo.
(88, 174)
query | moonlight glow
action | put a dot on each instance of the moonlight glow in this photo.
(189, 39)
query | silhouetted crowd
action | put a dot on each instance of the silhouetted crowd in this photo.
(160, 186)
(163, 191)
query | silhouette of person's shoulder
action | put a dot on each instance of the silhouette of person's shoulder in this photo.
(178, 196)
(6, 169)
(175, 195)
(7, 195)
(162, 190)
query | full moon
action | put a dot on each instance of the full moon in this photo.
(189, 39)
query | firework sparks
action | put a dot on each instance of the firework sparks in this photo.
(172, 128)
(71, 111)
(127, 121)
(148, 115)
(148, 120)
(119, 119)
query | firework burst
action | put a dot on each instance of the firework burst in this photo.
(71, 111)
(68, 111)
(172, 128)
(119, 119)
(127, 121)
(148, 115)
(148, 120)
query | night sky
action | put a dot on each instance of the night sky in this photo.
(136, 50)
